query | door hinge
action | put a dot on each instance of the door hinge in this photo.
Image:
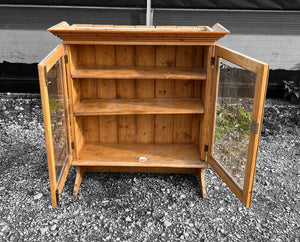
(57, 196)
(47, 82)
(254, 127)
(66, 59)
(206, 148)
(72, 145)
(212, 60)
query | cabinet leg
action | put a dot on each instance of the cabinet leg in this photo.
(78, 180)
(202, 182)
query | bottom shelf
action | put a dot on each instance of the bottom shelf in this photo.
(127, 155)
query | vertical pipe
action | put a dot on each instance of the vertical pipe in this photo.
(148, 13)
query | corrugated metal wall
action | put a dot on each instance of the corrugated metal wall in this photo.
(270, 36)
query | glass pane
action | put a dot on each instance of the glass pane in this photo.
(57, 115)
(233, 119)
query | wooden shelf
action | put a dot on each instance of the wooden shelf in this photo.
(127, 155)
(120, 72)
(139, 106)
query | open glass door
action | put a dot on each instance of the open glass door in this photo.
(238, 95)
(53, 86)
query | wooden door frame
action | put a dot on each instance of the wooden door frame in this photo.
(43, 67)
(261, 70)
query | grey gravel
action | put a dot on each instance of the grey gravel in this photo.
(145, 207)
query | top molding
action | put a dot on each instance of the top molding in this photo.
(138, 35)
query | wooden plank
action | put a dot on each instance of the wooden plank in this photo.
(125, 56)
(108, 128)
(126, 129)
(116, 154)
(106, 56)
(145, 56)
(131, 72)
(164, 127)
(165, 57)
(185, 57)
(86, 56)
(91, 129)
(164, 124)
(183, 128)
(139, 106)
(145, 128)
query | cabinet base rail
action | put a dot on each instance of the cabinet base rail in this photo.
(80, 171)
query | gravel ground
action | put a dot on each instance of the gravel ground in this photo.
(145, 207)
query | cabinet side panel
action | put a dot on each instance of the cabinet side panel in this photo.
(74, 99)
(206, 92)
(195, 128)
(145, 56)
(125, 56)
(106, 56)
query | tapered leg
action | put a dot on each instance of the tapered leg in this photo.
(78, 180)
(202, 182)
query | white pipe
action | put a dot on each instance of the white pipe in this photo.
(148, 13)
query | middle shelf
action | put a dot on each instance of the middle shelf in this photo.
(139, 106)
(134, 72)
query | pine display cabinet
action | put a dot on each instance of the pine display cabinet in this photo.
(151, 99)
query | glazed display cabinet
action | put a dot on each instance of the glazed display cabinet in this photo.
(162, 99)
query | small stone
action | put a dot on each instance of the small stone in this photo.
(167, 223)
(217, 188)
(38, 196)
(43, 230)
(148, 212)
(2, 188)
(126, 210)
(5, 228)
(53, 227)
(128, 219)
(182, 237)
(182, 196)
(84, 223)
(221, 209)
(222, 231)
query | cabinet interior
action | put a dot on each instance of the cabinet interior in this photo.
(133, 102)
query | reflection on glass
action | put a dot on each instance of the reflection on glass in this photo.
(233, 119)
(57, 115)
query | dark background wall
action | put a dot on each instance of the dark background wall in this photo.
(260, 29)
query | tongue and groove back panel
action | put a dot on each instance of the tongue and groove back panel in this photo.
(142, 128)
